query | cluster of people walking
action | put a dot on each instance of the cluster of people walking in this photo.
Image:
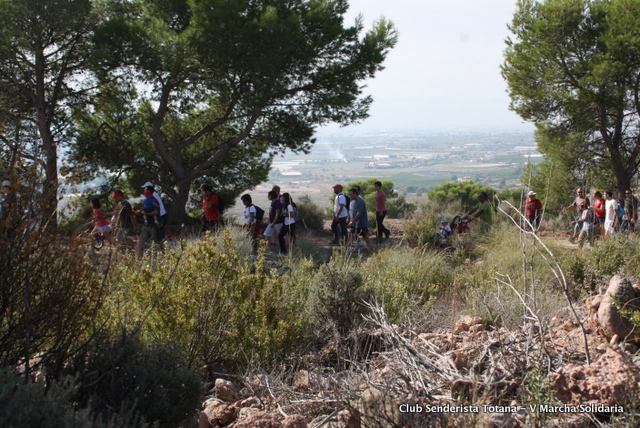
(606, 215)
(283, 216)
(350, 217)
(153, 228)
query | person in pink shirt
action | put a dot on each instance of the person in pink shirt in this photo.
(381, 211)
(100, 224)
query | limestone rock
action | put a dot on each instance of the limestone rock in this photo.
(466, 322)
(609, 319)
(294, 421)
(259, 420)
(220, 413)
(610, 380)
(203, 420)
(226, 391)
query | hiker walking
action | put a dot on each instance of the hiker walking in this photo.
(210, 216)
(340, 215)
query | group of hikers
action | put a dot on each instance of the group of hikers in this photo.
(350, 216)
(605, 214)
(154, 226)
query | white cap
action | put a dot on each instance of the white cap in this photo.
(444, 220)
(6, 183)
(147, 184)
(531, 193)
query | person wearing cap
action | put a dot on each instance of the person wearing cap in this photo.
(533, 209)
(150, 208)
(124, 219)
(340, 215)
(211, 214)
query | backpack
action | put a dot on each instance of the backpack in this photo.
(347, 200)
(620, 211)
(259, 213)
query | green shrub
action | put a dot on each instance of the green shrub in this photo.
(464, 191)
(208, 300)
(336, 296)
(505, 256)
(608, 257)
(152, 379)
(406, 280)
(421, 229)
(311, 214)
(35, 404)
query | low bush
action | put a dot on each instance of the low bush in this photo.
(210, 301)
(311, 215)
(505, 262)
(49, 297)
(153, 380)
(421, 229)
(406, 281)
(336, 296)
(35, 404)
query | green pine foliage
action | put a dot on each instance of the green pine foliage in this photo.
(464, 191)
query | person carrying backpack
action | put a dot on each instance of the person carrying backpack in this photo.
(340, 215)
(252, 220)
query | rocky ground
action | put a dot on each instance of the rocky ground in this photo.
(468, 374)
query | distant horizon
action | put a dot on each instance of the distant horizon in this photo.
(372, 129)
(444, 73)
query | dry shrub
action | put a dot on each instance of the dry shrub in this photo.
(49, 298)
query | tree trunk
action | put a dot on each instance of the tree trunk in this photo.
(177, 212)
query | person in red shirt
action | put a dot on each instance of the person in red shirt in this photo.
(211, 214)
(600, 212)
(533, 208)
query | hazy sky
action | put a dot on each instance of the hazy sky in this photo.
(444, 73)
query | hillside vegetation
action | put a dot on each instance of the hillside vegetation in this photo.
(129, 341)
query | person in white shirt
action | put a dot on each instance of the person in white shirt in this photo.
(611, 210)
(340, 215)
(289, 226)
(251, 221)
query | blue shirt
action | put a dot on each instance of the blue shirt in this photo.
(361, 207)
